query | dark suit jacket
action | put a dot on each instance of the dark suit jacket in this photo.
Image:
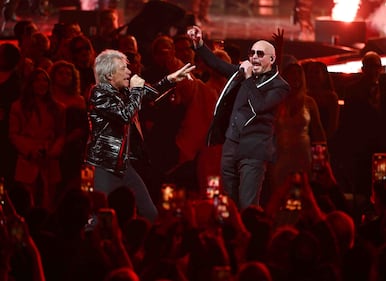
(246, 109)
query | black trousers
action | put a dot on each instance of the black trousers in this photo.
(242, 178)
(106, 182)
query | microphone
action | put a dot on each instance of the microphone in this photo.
(240, 74)
(150, 91)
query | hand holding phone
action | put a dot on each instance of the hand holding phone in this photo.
(379, 167)
(18, 231)
(106, 220)
(212, 185)
(167, 196)
(221, 205)
(319, 156)
(294, 202)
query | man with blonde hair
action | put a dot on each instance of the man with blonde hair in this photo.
(113, 105)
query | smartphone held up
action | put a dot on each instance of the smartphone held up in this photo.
(105, 222)
(319, 156)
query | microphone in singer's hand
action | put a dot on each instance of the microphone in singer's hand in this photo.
(150, 91)
(241, 73)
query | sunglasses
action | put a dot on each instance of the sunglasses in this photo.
(259, 53)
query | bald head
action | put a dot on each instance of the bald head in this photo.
(262, 56)
(372, 66)
(266, 46)
(370, 59)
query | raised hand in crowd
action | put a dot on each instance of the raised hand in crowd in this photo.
(295, 195)
(278, 39)
(19, 255)
(109, 237)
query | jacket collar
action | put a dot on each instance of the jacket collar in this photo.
(107, 87)
(264, 78)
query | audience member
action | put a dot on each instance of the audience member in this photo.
(295, 204)
(358, 262)
(22, 200)
(320, 87)
(163, 59)
(344, 229)
(183, 48)
(304, 256)
(207, 256)
(38, 51)
(10, 88)
(20, 258)
(163, 270)
(23, 31)
(167, 241)
(328, 193)
(82, 55)
(122, 274)
(107, 33)
(253, 271)
(360, 133)
(198, 100)
(8, 12)
(122, 200)
(60, 38)
(373, 229)
(278, 260)
(135, 232)
(128, 45)
(295, 187)
(162, 118)
(37, 7)
(200, 9)
(234, 52)
(69, 254)
(380, 269)
(66, 89)
(297, 127)
(209, 157)
(37, 131)
(260, 226)
(302, 15)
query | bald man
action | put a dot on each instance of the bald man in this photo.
(244, 116)
(362, 128)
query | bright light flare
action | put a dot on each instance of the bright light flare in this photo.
(345, 10)
(351, 66)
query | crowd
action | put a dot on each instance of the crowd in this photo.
(265, 200)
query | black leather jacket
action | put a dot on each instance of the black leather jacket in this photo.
(246, 109)
(110, 114)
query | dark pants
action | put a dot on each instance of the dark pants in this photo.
(106, 182)
(242, 179)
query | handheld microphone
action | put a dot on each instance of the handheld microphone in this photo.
(240, 74)
(150, 91)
